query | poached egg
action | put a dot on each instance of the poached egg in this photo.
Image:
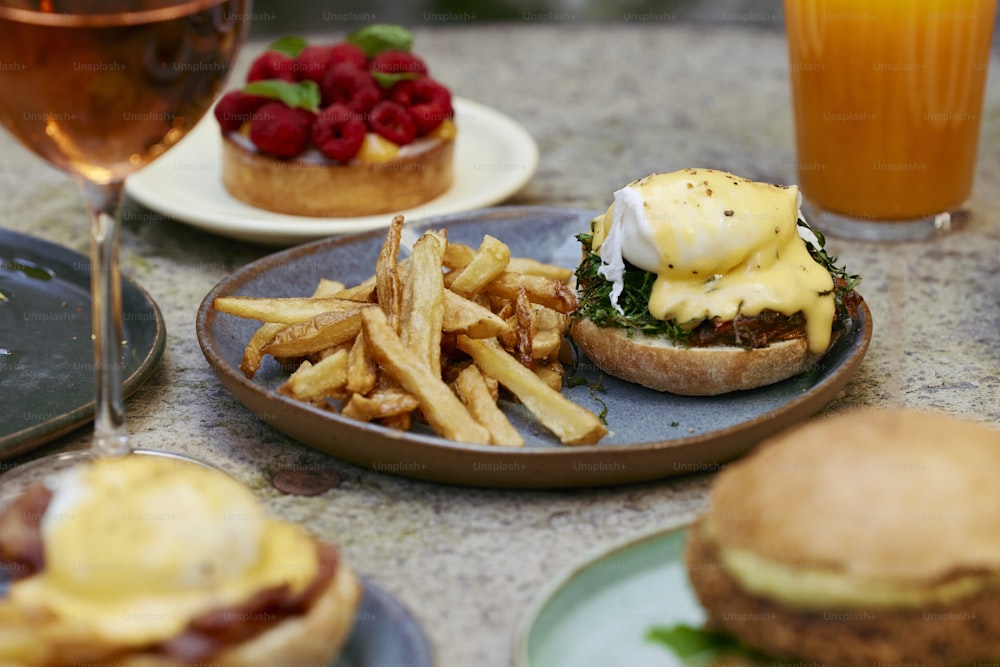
(721, 246)
(137, 546)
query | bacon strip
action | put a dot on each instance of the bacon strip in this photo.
(218, 628)
(21, 550)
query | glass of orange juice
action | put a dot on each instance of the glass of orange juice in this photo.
(887, 99)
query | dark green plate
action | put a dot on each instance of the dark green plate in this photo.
(46, 357)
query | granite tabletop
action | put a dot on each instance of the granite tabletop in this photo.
(607, 103)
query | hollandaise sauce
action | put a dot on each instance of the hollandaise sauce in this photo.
(721, 247)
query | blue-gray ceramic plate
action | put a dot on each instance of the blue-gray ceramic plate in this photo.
(46, 357)
(384, 633)
(652, 434)
(598, 611)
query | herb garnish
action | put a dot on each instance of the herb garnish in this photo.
(689, 643)
(843, 282)
(698, 646)
(596, 386)
(594, 296)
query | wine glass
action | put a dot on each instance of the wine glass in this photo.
(100, 88)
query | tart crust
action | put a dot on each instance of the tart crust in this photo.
(297, 187)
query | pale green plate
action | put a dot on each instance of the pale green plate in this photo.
(597, 613)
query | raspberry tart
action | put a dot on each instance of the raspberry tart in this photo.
(338, 130)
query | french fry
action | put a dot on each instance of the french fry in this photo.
(551, 373)
(387, 285)
(488, 263)
(312, 382)
(422, 308)
(329, 351)
(550, 332)
(525, 329)
(252, 356)
(390, 348)
(572, 424)
(462, 315)
(546, 344)
(533, 267)
(360, 369)
(400, 422)
(286, 310)
(363, 292)
(471, 387)
(546, 318)
(443, 410)
(252, 353)
(541, 290)
(458, 255)
(380, 404)
(326, 287)
(323, 331)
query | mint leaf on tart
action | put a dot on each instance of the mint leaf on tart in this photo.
(387, 80)
(290, 45)
(378, 37)
(299, 95)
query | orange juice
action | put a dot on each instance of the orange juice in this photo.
(888, 97)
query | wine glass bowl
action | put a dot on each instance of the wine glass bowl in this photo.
(100, 95)
(99, 89)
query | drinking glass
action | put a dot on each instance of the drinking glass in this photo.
(888, 99)
(98, 89)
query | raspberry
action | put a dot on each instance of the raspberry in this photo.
(236, 108)
(426, 100)
(272, 65)
(313, 62)
(281, 131)
(338, 132)
(345, 52)
(391, 121)
(354, 88)
(398, 62)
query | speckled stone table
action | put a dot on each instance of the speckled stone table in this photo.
(607, 103)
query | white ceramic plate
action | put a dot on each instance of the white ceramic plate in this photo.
(494, 158)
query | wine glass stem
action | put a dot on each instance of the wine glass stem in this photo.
(103, 203)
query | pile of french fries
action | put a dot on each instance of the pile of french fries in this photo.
(433, 337)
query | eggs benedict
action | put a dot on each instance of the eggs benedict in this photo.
(151, 560)
(700, 282)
